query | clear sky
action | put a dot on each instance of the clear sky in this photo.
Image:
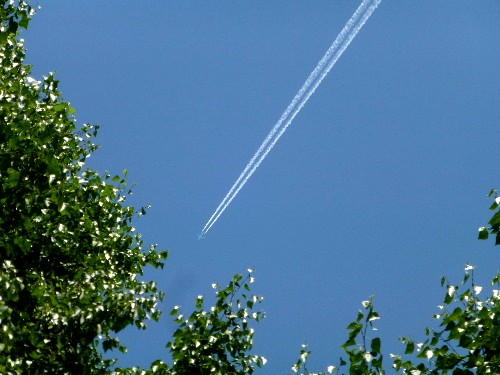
(378, 187)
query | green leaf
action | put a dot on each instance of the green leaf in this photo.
(375, 345)
(495, 220)
(456, 313)
(353, 325)
(24, 21)
(483, 233)
(348, 343)
(60, 107)
(410, 347)
(443, 280)
(13, 179)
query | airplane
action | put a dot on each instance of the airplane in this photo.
(200, 236)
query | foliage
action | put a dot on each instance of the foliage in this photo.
(466, 342)
(218, 341)
(364, 355)
(494, 222)
(215, 341)
(363, 359)
(69, 257)
(466, 339)
(13, 15)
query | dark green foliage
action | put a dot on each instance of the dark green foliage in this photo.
(69, 257)
(467, 338)
(217, 341)
(494, 221)
(364, 355)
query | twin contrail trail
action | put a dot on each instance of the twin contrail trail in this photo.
(327, 62)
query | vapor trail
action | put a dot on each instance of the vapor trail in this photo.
(252, 165)
(338, 40)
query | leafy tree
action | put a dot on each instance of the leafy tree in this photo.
(69, 257)
(70, 260)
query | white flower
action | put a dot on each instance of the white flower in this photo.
(469, 267)
(330, 369)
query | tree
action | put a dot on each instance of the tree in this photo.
(70, 259)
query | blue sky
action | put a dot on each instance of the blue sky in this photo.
(378, 187)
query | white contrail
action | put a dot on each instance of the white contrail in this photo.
(351, 36)
(294, 102)
(252, 165)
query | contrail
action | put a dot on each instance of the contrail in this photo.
(295, 100)
(272, 138)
